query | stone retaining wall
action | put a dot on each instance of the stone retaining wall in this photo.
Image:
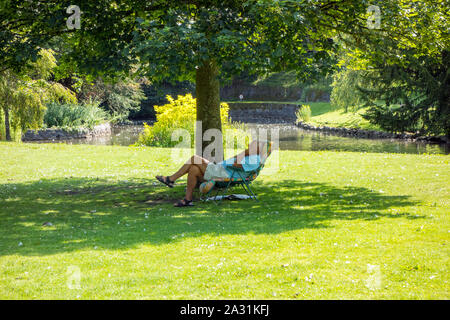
(270, 93)
(262, 112)
(372, 134)
(252, 92)
(65, 134)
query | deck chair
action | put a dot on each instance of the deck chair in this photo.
(238, 177)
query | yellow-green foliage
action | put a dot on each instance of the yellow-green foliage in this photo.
(43, 67)
(31, 98)
(303, 113)
(24, 96)
(179, 113)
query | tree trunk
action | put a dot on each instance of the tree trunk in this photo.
(208, 109)
(7, 128)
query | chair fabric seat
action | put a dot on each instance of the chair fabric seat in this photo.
(238, 179)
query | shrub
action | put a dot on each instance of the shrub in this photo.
(156, 93)
(74, 115)
(303, 113)
(181, 114)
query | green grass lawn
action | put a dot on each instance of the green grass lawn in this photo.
(322, 114)
(330, 225)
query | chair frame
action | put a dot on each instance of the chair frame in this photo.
(222, 187)
(237, 178)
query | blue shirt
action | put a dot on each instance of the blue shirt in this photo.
(249, 163)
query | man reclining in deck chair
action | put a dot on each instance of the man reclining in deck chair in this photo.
(200, 169)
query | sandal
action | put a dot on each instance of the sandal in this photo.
(165, 180)
(184, 203)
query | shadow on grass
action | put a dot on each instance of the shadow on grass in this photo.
(86, 213)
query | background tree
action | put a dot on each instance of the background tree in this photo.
(23, 96)
(28, 26)
(203, 41)
(405, 65)
(208, 41)
(211, 42)
(345, 93)
(119, 98)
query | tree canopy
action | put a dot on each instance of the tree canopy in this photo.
(407, 67)
(208, 41)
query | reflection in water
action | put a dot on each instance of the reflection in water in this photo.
(291, 138)
(120, 135)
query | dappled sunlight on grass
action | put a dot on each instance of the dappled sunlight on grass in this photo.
(98, 211)
(322, 218)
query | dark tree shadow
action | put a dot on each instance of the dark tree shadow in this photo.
(89, 213)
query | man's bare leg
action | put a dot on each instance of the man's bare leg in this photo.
(194, 162)
(194, 175)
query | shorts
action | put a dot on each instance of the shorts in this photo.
(215, 171)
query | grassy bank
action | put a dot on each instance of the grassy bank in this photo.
(330, 225)
(322, 114)
(264, 102)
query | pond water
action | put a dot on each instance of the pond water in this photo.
(292, 138)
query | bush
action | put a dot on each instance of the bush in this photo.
(181, 114)
(74, 115)
(303, 114)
